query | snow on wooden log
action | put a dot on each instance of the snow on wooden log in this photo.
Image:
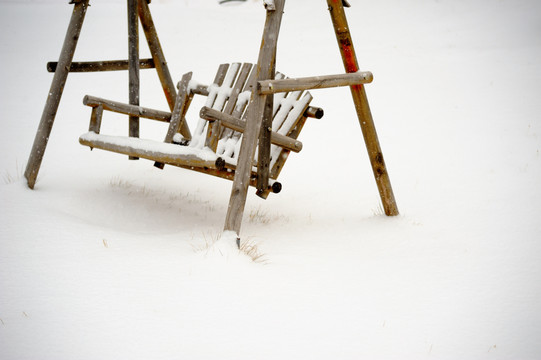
(269, 5)
(229, 139)
(196, 88)
(122, 108)
(314, 82)
(181, 104)
(218, 134)
(226, 93)
(171, 154)
(201, 131)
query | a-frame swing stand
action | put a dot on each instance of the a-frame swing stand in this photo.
(138, 10)
(257, 131)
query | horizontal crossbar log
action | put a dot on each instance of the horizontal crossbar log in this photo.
(235, 124)
(314, 82)
(107, 65)
(122, 108)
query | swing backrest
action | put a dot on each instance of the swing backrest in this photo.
(230, 93)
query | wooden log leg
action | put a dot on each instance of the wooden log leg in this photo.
(159, 61)
(243, 172)
(345, 43)
(133, 59)
(95, 119)
(55, 92)
(264, 155)
(265, 66)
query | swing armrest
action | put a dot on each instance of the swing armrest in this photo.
(122, 108)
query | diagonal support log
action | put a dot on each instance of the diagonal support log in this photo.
(265, 70)
(158, 56)
(55, 92)
(345, 43)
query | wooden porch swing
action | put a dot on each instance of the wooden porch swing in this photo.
(215, 144)
(248, 126)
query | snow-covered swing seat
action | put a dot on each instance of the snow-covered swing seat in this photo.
(215, 144)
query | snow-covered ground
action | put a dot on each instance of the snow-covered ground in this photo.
(112, 259)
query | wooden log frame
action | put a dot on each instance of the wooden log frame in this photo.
(314, 82)
(236, 122)
(133, 66)
(347, 51)
(55, 92)
(65, 65)
(264, 144)
(257, 125)
(265, 71)
(160, 62)
(184, 98)
(95, 119)
(106, 65)
(256, 129)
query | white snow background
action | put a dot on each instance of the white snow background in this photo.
(113, 259)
